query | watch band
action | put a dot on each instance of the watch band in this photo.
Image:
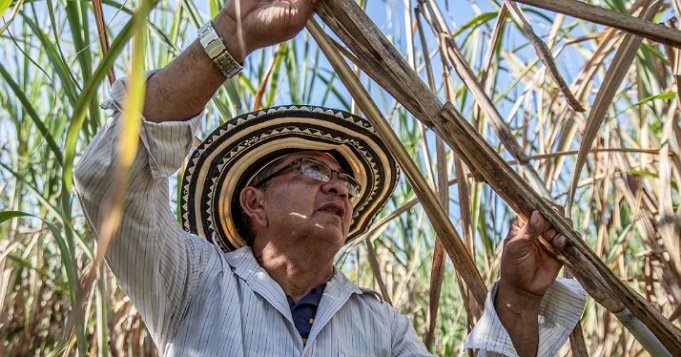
(215, 49)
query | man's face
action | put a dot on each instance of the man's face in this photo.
(302, 207)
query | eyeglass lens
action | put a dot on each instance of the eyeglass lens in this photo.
(319, 171)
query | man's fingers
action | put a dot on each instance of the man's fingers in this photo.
(528, 231)
(549, 234)
(559, 241)
(536, 225)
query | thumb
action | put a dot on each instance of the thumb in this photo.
(534, 227)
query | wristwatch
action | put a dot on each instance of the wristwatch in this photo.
(215, 49)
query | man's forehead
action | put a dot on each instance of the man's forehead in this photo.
(323, 156)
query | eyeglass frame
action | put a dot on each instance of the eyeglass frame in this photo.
(343, 177)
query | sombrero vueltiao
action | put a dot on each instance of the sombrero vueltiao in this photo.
(233, 153)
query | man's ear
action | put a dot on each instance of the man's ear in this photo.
(250, 200)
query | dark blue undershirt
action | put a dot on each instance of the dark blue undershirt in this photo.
(305, 310)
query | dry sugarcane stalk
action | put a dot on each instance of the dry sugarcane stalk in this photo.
(438, 262)
(439, 219)
(599, 15)
(385, 65)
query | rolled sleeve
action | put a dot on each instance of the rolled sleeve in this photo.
(560, 310)
(167, 143)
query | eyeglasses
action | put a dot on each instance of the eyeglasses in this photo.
(316, 170)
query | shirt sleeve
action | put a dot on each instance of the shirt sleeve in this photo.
(154, 260)
(560, 310)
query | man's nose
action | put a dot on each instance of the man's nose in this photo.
(336, 185)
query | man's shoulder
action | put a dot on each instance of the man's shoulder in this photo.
(358, 291)
(371, 294)
(240, 255)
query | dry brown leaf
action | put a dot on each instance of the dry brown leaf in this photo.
(257, 102)
(103, 37)
(544, 54)
(599, 15)
(376, 269)
(465, 72)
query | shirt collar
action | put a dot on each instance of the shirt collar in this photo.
(246, 267)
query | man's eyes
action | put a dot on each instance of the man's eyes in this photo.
(315, 171)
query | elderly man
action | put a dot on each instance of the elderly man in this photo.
(275, 195)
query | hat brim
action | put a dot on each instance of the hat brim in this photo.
(228, 158)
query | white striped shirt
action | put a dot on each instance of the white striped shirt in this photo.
(197, 300)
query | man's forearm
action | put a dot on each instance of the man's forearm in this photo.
(518, 312)
(182, 89)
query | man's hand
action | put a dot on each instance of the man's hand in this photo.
(181, 90)
(261, 23)
(527, 271)
(525, 265)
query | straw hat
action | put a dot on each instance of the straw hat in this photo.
(232, 154)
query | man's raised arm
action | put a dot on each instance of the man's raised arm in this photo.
(182, 89)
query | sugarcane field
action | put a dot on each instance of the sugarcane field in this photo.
(340, 178)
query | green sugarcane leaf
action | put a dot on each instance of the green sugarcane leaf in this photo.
(7, 215)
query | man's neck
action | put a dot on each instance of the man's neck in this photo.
(297, 272)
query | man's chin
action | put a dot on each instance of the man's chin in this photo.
(331, 233)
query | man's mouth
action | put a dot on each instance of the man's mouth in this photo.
(333, 209)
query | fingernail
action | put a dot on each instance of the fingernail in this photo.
(534, 219)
